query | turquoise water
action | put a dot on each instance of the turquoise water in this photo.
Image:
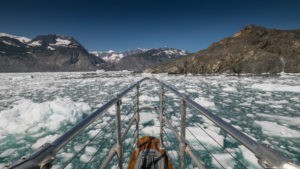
(38, 107)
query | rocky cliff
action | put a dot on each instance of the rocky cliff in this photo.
(252, 50)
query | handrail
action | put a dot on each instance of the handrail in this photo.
(45, 155)
(266, 155)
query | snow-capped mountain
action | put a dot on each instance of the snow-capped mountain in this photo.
(112, 56)
(139, 59)
(44, 53)
(53, 41)
(109, 56)
(63, 53)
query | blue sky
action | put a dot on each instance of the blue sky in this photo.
(129, 24)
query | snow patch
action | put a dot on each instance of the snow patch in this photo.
(35, 43)
(110, 51)
(62, 42)
(113, 57)
(50, 48)
(8, 43)
(19, 38)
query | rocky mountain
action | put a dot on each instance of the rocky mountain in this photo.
(254, 50)
(140, 59)
(44, 53)
(62, 53)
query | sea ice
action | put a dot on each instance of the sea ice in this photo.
(274, 129)
(250, 157)
(205, 102)
(225, 160)
(29, 117)
(194, 133)
(229, 89)
(7, 152)
(282, 119)
(276, 87)
(41, 141)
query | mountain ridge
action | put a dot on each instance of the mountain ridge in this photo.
(254, 49)
(138, 59)
(44, 53)
(53, 52)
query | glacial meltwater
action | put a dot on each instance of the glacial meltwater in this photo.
(36, 108)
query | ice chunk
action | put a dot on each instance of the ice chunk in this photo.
(149, 98)
(282, 119)
(250, 157)
(205, 102)
(29, 117)
(85, 158)
(224, 159)
(195, 133)
(274, 129)
(276, 87)
(7, 152)
(229, 89)
(41, 141)
(90, 150)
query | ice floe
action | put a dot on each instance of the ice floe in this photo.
(274, 129)
(28, 117)
(276, 87)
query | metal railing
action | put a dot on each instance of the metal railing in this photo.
(46, 154)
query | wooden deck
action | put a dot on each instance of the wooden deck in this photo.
(149, 143)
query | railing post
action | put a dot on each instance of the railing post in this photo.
(137, 114)
(182, 145)
(118, 133)
(161, 114)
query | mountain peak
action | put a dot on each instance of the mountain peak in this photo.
(44, 53)
(54, 40)
(253, 27)
(254, 49)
